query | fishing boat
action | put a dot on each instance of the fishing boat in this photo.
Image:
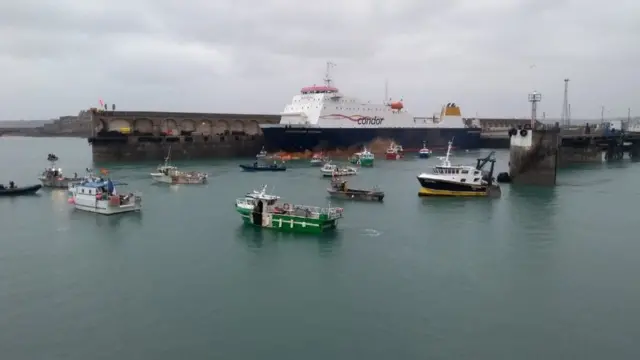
(262, 154)
(258, 167)
(101, 198)
(169, 174)
(318, 160)
(52, 176)
(363, 158)
(458, 180)
(394, 152)
(425, 152)
(262, 210)
(323, 118)
(13, 190)
(331, 170)
(339, 189)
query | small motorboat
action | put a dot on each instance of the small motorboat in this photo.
(364, 158)
(257, 167)
(425, 152)
(14, 190)
(332, 170)
(340, 190)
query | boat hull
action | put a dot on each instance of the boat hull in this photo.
(26, 190)
(291, 224)
(338, 173)
(361, 162)
(300, 139)
(176, 180)
(390, 156)
(444, 188)
(109, 210)
(424, 155)
(362, 195)
(251, 168)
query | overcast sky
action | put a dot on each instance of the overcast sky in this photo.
(252, 56)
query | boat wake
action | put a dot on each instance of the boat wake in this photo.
(371, 233)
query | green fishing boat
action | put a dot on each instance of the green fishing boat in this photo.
(261, 209)
(363, 158)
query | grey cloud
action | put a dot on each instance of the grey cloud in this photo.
(252, 56)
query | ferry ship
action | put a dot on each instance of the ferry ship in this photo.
(322, 118)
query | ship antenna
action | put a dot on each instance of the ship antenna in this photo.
(327, 76)
(386, 91)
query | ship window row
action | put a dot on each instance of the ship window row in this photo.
(439, 170)
(337, 108)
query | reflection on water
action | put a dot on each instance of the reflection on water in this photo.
(256, 238)
(115, 220)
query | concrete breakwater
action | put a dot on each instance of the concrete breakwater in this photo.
(143, 135)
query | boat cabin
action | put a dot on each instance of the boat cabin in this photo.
(318, 90)
(463, 174)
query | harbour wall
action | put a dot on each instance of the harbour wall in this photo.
(144, 136)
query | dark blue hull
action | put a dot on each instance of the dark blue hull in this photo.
(252, 168)
(292, 139)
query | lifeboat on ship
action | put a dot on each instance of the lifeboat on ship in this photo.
(397, 105)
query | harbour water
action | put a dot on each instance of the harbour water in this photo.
(541, 273)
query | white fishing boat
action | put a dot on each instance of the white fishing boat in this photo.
(101, 198)
(169, 174)
(331, 170)
(454, 180)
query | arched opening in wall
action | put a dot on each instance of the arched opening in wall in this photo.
(143, 127)
(169, 127)
(221, 127)
(101, 127)
(187, 127)
(121, 126)
(204, 127)
(237, 127)
(252, 128)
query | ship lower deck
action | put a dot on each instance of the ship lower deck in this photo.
(299, 139)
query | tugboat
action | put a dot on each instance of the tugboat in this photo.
(340, 190)
(364, 158)
(101, 198)
(262, 154)
(262, 210)
(318, 160)
(14, 190)
(257, 167)
(331, 170)
(169, 174)
(425, 152)
(459, 180)
(394, 152)
(52, 177)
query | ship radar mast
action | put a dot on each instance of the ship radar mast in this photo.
(327, 76)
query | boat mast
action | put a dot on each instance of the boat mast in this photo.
(327, 76)
(386, 91)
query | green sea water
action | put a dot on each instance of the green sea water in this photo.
(541, 273)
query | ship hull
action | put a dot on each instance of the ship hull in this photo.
(299, 139)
